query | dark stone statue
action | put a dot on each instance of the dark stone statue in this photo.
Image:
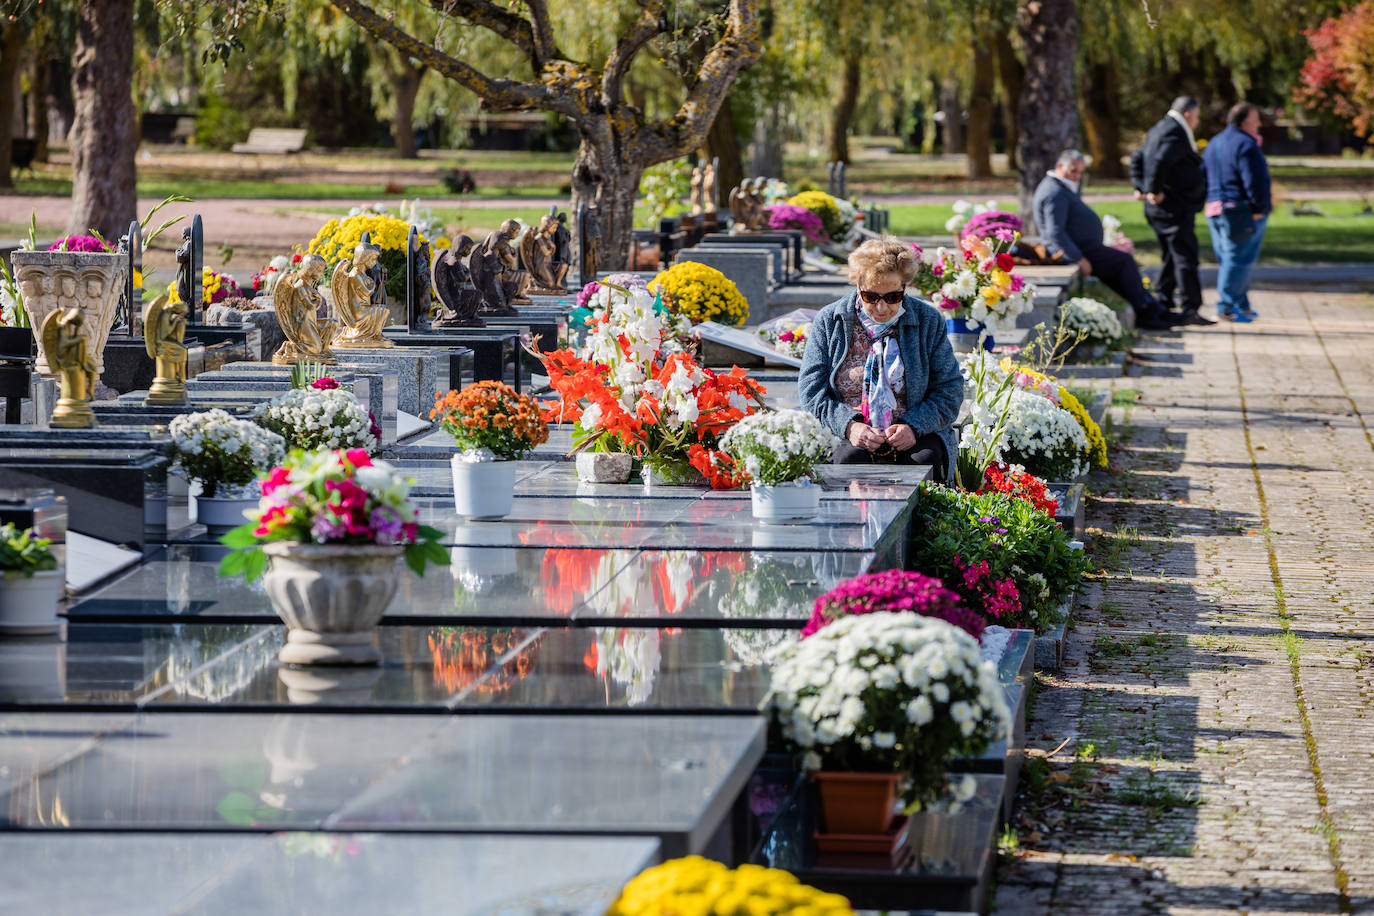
(459, 299)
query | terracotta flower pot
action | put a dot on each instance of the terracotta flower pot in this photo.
(856, 803)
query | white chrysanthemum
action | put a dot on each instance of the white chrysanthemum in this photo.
(1096, 319)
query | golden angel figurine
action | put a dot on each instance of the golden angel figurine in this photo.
(76, 372)
(297, 301)
(164, 330)
(353, 287)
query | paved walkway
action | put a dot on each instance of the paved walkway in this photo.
(1216, 701)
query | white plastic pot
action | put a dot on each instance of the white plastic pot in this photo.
(483, 489)
(28, 604)
(786, 503)
(220, 513)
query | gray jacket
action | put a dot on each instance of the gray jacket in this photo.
(1066, 223)
(934, 381)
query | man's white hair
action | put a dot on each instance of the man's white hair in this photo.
(1069, 156)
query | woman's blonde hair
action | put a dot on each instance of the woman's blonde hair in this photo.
(876, 257)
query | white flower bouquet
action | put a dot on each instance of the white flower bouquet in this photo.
(1044, 437)
(977, 283)
(317, 418)
(218, 450)
(890, 693)
(779, 446)
(1093, 318)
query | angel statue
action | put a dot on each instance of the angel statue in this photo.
(538, 254)
(353, 286)
(453, 283)
(297, 301)
(514, 281)
(695, 197)
(164, 328)
(65, 349)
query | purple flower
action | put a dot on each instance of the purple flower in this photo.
(586, 294)
(328, 527)
(80, 243)
(387, 527)
(791, 216)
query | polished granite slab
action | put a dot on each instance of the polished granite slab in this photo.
(134, 874)
(492, 584)
(674, 777)
(632, 669)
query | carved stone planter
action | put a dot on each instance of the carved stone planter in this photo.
(331, 597)
(85, 280)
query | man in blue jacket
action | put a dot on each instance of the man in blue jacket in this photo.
(1238, 206)
(1070, 228)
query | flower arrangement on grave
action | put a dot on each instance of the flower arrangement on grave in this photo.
(793, 216)
(81, 243)
(1095, 452)
(790, 341)
(22, 553)
(490, 418)
(987, 391)
(214, 288)
(965, 210)
(12, 311)
(701, 293)
(976, 283)
(221, 451)
(624, 393)
(836, 222)
(893, 591)
(1018, 483)
(337, 239)
(778, 451)
(1044, 438)
(992, 224)
(1093, 318)
(341, 497)
(315, 418)
(697, 885)
(614, 310)
(1004, 557)
(889, 693)
(266, 279)
(1113, 237)
(492, 427)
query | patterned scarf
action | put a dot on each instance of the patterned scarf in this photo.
(884, 374)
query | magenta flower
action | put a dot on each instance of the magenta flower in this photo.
(791, 216)
(586, 294)
(80, 243)
(894, 591)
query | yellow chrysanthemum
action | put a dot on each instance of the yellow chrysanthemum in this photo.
(701, 292)
(337, 239)
(694, 885)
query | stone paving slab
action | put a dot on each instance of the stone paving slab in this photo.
(1216, 692)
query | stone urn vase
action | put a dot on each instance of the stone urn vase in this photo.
(331, 596)
(88, 281)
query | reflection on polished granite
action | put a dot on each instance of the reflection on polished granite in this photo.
(557, 522)
(719, 587)
(642, 669)
(133, 874)
(32, 744)
(492, 584)
(670, 776)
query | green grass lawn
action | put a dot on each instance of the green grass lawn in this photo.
(201, 188)
(1341, 234)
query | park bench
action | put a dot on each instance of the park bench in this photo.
(272, 140)
(185, 130)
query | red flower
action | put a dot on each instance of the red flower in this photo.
(1005, 262)
(358, 458)
(277, 477)
(324, 383)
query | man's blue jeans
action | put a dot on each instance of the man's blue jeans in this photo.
(1236, 258)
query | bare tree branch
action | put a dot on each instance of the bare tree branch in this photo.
(652, 21)
(496, 94)
(736, 50)
(515, 29)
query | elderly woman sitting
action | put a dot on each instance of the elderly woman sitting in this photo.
(878, 368)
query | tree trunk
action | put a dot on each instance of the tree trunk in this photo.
(1101, 106)
(843, 113)
(768, 159)
(11, 46)
(723, 143)
(953, 121)
(603, 177)
(1049, 33)
(980, 110)
(1012, 75)
(105, 135)
(405, 79)
(38, 91)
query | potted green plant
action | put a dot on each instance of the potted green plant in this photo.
(31, 582)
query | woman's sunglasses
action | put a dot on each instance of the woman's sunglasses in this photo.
(892, 298)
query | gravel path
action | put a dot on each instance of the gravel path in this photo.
(1217, 693)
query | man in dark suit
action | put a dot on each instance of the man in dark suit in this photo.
(1070, 229)
(1167, 174)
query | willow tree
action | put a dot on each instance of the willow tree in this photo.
(617, 141)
